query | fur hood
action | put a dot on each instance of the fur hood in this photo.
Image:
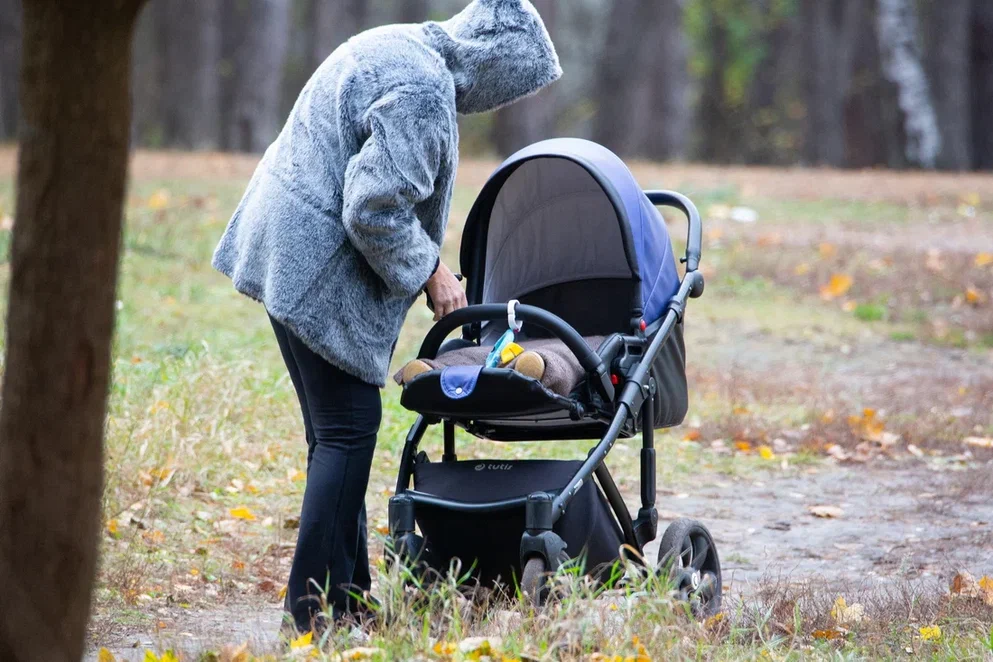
(498, 51)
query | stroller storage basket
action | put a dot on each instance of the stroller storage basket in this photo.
(493, 543)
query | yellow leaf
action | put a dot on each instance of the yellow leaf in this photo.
(801, 269)
(150, 657)
(714, 620)
(296, 476)
(383, 530)
(242, 513)
(844, 614)
(444, 648)
(112, 527)
(930, 633)
(836, 287)
(105, 656)
(986, 586)
(983, 260)
(282, 593)
(743, 446)
(826, 249)
(692, 435)
(158, 200)
(739, 410)
(766, 453)
(302, 641)
(974, 297)
(828, 634)
(867, 426)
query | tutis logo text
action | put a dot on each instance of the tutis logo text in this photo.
(494, 467)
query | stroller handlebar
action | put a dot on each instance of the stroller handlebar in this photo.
(694, 237)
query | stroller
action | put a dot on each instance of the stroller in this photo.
(561, 243)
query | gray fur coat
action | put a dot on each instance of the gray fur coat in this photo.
(341, 224)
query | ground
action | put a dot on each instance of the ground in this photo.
(841, 357)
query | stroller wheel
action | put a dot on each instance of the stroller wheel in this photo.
(689, 556)
(410, 551)
(534, 581)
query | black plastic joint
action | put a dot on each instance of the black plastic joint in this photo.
(646, 525)
(538, 513)
(401, 515)
(545, 544)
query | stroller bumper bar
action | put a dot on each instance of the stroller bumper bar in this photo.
(491, 312)
(694, 237)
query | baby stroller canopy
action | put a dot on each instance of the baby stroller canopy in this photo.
(563, 224)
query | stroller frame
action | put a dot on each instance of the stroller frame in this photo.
(629, 395)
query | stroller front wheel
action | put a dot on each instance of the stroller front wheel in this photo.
(534, 581)
(689, 556)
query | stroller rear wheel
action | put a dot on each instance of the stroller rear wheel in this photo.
(534, 581)
(689, 556)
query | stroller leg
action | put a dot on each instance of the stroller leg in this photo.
(449, 455)
(646, 526)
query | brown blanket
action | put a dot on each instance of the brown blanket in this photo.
(562, 370)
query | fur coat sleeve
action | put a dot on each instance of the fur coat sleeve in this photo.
(394, 171)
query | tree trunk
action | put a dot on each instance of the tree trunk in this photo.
(10, 65)
(71, 179)
(948, 71)
(335, 21)
(191, 60)
(662, 128)
(532, 119)
(147, 75)
(982, 85)
(413, 11)
(718, 139)
(256, 33)
(614, 89)
(900, 54)
(829, 28)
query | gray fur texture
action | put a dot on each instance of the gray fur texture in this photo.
(341, 224)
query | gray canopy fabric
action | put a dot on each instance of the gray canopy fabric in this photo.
(551, 223)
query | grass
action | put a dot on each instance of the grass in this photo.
(205, 456)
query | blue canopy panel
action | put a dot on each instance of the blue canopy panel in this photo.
(566, 210)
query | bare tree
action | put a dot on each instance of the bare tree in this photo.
(531, 119)
(900, 54)
(334, 22)
(254, 48)
(829, 35)
(192, 54)
(10, 64)
(71, 178)
(147, 76)
(662, 98)
(613, 89)
(948, 57)
(982, 84)
(413, 11)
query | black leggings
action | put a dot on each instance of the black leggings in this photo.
(341, 416)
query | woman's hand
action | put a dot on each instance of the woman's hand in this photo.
(445, 291)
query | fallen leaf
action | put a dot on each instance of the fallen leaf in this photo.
(979, 442)
(845, 614)
(303, 641)
(743, 446)
(766, 453)
(296, 476)
(828, 634)
(291, 523)
(974, 297)
(826, 512)
(836, 287)
(444, 648)
(480, 646)
(971, 199)
(158, 200)
(112, 527)
(692, 435)
(282, 593)
(739, 410)
(770, 239)
(930, 633)
(983, 260)
(914, 450)
(361, 653)
(826, 249)
(867, 426)
(232, 653)
(986, 586)
(105, 656)
(241, 512)
(154, 537)
(238, 565)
